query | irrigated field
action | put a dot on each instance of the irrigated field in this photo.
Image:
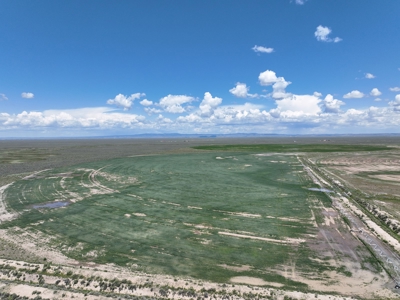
(203, 215)
(211, 216)
(236, 214)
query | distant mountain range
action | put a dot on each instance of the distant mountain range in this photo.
(191, 136)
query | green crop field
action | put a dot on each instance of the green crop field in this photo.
(206, 215)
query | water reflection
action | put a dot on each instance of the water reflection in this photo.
(56, 204)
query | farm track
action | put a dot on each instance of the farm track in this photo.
(96, 182)
(387, 253)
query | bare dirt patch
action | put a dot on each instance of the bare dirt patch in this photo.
(236, 268)
(240, 214)
(4, 214)
(254, 281)
(395, 178)
(285, 241)
(139, 214)
(367, 172)
(35, 245)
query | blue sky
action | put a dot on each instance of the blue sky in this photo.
(81, 68)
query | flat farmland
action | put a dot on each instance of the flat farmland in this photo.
(204, 215)
(234, 215)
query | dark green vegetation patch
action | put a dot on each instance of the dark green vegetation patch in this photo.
(282, 148)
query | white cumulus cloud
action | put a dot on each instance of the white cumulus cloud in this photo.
(396, 103)
(375, 92)
(239, 114)
(322, 34)
(369, 76)
(278, 88)
(241, 90)
(261, 49)
(279, 84)
(146, 102)
(163, 119)
(209, 103)
(354, 94)
(296, 113)
(124, 101)
(395, 89)
(94, 117)
(299, 105)
(173, 103)
(231, 114)
(152, 110)
(267, 77)
(332, 105)
(27, 95)
(3, 97)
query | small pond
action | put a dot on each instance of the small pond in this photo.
(56, 204)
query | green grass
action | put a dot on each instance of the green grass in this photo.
(284, 148)
(23, 155)
(167, 191)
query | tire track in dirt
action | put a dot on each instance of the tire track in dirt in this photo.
(5, 215)
(390, 260)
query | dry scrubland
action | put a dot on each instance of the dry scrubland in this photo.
(373, 179)
(268, 218)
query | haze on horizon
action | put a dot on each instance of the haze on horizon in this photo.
(97, 68)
